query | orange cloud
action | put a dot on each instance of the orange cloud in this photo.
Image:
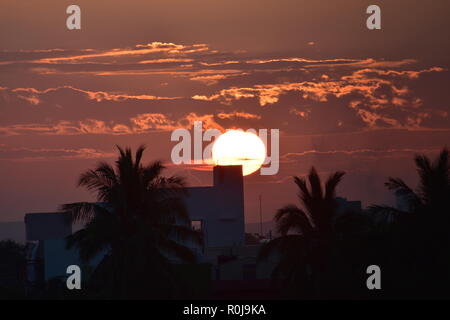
(141, 123)
(358, 82)
(32, 95)
(140, 49)
(166, 60)
(291, 157)
(236, 114)
(147, 121)
(301, 114)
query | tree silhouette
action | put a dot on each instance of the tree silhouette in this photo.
(306, 232)
(432, 195)
(140, 221)
(419, 235)
(12, 270)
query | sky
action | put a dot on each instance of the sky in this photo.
(343, 97)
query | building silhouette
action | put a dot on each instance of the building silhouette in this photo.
(216, 211)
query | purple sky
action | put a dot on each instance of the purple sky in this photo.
(343, 97)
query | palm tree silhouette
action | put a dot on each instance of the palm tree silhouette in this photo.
(139, 220)
(432, 195)
(307, 250)
(419, 229)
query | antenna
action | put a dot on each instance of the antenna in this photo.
(260, 216)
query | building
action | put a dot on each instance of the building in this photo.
(345, 206)
(217, 211)
(47, 256)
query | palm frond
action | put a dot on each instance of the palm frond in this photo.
(404, 191)
(423, 165)
(151, 172)
(173, 183)
(434, 184)
(138, 156)
(331, 184)
(314, 181)
(171, 209)
(181, 233)
(398, 185)
(385, 214)
(172, 247)
(291, 217)
(304, 194)
(125, 166)
(98, 234)
(106, 171)
(283, 245)
(442, 161)
(82, 212)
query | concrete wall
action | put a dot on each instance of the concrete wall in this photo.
(47, 226)
(220, 208)
(49, 231)
(57, 258)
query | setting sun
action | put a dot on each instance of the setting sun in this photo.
(239, 148)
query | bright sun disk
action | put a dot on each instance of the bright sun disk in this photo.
(236, 147)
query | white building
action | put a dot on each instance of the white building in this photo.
(218, 211)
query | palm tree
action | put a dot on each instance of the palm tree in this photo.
(432, 195)
(306, 231)
(419, 230)
(139, 219)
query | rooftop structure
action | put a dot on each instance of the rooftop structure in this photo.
(218, 210)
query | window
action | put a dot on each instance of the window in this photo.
(197, 225)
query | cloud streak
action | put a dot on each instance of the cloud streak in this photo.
(9, 153)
